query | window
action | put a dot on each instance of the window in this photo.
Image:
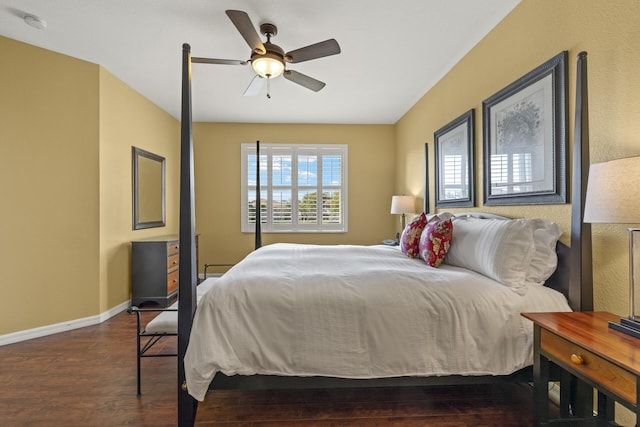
(303, 188)
(455, 176)
(511, 173)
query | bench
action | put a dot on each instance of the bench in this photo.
(165, 324)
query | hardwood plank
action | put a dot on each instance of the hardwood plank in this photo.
(87, 377)
(425, 406)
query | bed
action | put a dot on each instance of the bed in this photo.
(280, 312)
(236, 350)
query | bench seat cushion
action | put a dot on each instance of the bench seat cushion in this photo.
(167, 321)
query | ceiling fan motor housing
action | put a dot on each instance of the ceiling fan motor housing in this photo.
(268, 29)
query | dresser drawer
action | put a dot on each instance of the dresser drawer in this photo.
(173, 248)
(172, 282)
(584, 362)
(173, 262)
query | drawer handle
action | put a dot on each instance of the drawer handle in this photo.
(174, 280)
(576, 359)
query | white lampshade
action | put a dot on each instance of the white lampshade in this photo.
(613, 198)
(403, 204)
(267, 65)
(613, 192)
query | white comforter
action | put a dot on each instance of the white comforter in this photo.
(358, 312)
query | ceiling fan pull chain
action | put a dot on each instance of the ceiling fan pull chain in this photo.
(268, 86)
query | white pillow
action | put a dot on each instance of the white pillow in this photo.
(499, 249)
(442, 216)
(545, 258)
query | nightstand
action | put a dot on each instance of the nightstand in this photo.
(592, 356)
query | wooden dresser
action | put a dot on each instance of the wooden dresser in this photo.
(154, 270)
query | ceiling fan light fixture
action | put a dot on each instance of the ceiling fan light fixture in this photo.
(267, 65)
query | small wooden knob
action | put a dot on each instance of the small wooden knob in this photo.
(576, 359)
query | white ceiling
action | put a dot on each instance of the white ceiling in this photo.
(392, 51)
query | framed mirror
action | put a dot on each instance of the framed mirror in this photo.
(148, 177)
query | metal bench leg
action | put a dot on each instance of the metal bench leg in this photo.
(134, 309)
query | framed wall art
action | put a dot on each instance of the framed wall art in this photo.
(525, 138)
(454, 160)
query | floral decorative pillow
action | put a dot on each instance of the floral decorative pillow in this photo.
(411, 236)
(435, 241)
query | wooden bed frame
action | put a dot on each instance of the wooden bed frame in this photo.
(573, 277)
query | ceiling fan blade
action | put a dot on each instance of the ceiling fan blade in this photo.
(255, 86)
(242, 22)
(318, 50)
(218, 61)
(304, 80)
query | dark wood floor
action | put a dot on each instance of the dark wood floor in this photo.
(86, 377)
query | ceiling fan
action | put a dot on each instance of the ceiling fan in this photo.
(269, 60)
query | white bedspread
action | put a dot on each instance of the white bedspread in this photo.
(358, 312)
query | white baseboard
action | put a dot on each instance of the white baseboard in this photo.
(554, 393)
(554, 396)
(115, 310)
(43, 331)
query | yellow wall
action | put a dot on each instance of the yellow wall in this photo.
(128, 119)
(532, 33)
(65, 150)
(66, 131)
(217, 182)
(49, 178)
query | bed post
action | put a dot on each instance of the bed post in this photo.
(426, 178)
(258, 230)
(581, 281)
(187, 406)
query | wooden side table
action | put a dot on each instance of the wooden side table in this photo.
(586, 349)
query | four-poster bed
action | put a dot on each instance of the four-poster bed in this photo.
(572, 278)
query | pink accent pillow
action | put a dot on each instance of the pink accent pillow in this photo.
(411, 235)
(435, 241)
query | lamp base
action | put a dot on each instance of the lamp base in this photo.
(627, 326)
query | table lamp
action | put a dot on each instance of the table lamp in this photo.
(403, 205)
(613, 198)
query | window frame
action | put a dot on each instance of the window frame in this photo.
(267, 187)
